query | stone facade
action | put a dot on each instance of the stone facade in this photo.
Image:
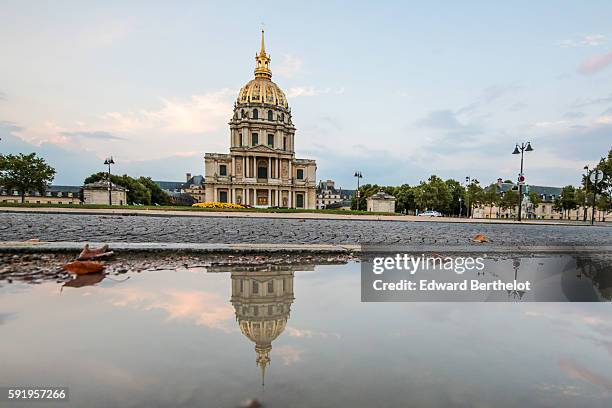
(381, 202)
(97, 193)
(328, 194)
(52, 195)
(261, 169)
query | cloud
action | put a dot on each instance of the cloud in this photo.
(595, 64)
(439, 119)
(312, 91)
(199, 114)
(100, 135)
(579, 372)
(574, 115)
(546, 124)
(589, 40)
(289, 66)
(517, 107)
(289, 354)
(487, 96)
(593, 101)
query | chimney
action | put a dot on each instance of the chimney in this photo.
(499, 182)
(188, 176)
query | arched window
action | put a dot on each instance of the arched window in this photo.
(282, 117)
(243, 113)
(255, 114)
(270, 115)
(285, 143)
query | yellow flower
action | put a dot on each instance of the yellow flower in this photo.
(210, 204)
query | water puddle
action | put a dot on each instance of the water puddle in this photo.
(295, 336)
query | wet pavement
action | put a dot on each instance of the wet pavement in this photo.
(103, 228)
(192, 332)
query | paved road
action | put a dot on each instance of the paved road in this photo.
(72, 227)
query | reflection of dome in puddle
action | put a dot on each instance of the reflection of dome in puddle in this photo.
(262, 300)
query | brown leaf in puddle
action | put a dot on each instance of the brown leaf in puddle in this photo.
(84, 267)
(85, 280)
(88, 253)
(480, 238)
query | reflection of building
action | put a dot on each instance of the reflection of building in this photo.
(262, 301)
(261, 168)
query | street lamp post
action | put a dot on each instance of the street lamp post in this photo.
(595, 178)
(468, 182)
(524, 147)
(586, 187)
(460, 207)
(108, 162)
(358, 175)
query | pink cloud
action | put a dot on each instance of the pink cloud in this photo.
(579, 372)
(595, 63)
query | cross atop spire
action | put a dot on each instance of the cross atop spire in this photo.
(262, 67)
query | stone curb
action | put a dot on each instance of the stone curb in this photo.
(40, 246)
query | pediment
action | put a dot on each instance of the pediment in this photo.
(262, 149)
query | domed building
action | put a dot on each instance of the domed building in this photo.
(261, 169)
(262, 300)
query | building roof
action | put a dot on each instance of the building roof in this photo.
(381, 195)
(102, 184)
(169, 185)
(546, 192)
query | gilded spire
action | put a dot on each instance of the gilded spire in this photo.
(262, 66)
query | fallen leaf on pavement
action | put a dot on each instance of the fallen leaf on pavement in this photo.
(95, 253)
(84, 267)
(480, 238)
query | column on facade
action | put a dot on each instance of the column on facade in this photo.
(233, 171)
(269, 197)
(244, 198)
(278, 203)
(278, 168)
(290, 170)
(269, 167)
(290, 198)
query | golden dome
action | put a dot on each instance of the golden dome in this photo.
(262, 90)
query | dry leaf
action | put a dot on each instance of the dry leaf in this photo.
(480, 238)
(88, 253)
(84, 267)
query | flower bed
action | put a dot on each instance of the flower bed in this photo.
(217, 205)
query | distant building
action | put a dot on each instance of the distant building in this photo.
(545, 210)
(381, 202)
(261, 169)
(185, 193)
(98, 193)
(327, 194)
(52, 195)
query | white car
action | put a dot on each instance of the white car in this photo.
(430, 213)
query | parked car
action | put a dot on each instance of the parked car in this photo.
(430, 213)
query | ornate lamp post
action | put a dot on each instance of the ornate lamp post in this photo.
(468, 182)
(524, 147)
(460, 207)
(108, 162)
(358, 175)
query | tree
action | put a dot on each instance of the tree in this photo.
(404, 198)
(25, 173)
(581, 197)
(508, 200)
(433, 195)
(473, 195)
(567, 200)
(158, 196)
(491, 197)
(457, 192)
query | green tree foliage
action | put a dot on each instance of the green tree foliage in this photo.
(535, 199)
(404, 198)
(567, 200)
(139, 191)
(509, 200)
(25, 172)
(433, 195)
(491, 197)
(457, 192)
(474, 195)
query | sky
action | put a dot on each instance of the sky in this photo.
(396, 90)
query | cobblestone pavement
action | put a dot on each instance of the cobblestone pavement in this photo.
(103, 228)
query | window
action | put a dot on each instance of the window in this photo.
(223, 196)
(299, 200)
(270, 286)
(285, 143)
(254, 139)
(271, 140)
(282, 117)
(243, 113)
(270, 115)
(300, 174)
(255, 287)
(222, 170)
(239, 139)
(255, 114)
